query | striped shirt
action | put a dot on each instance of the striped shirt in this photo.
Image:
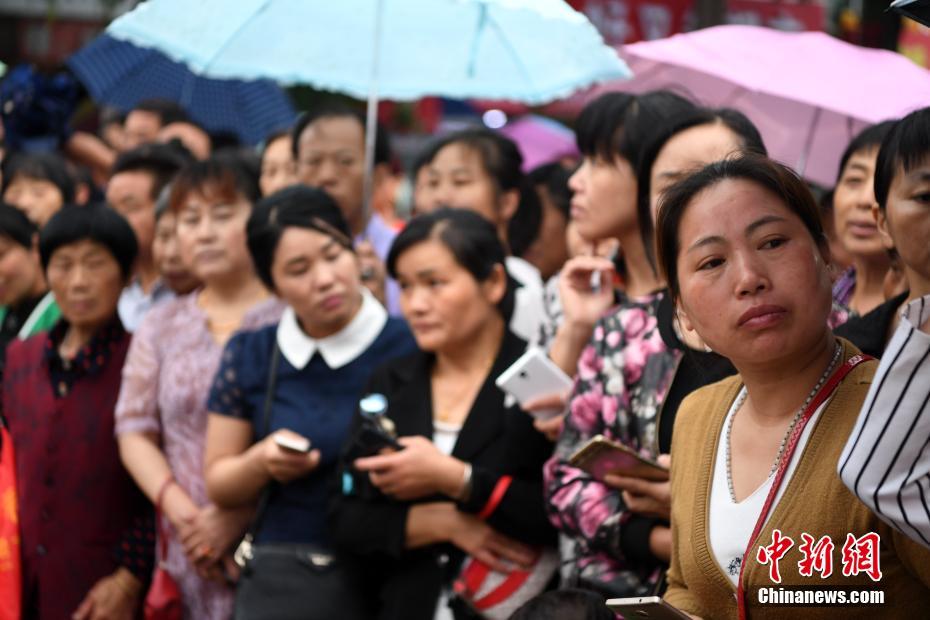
(886, 462)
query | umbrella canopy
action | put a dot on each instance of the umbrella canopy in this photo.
(526, 50)
(120, 74)
(918, 10)
(808, 92)
(541, 140)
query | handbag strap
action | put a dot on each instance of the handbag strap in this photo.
(266, 427)
(790, 448)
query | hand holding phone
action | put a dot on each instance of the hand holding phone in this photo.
(292, 443)
(532, 377)
(601, 456)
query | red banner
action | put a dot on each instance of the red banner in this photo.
(628, 21)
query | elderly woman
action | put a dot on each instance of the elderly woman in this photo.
(59, 392)
(331, 337)
(754, 456)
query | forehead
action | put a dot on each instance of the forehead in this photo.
(728, 207)
(297, 241)
(279, 148)
(428, 254)
(333, 132)
(863, 158)
(79, 249)
(696, 146)
(140, 118)
(210, 195)
(129, 180)
(456, 156)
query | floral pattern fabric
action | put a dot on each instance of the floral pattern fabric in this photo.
(623, 376)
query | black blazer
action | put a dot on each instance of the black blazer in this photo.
(495, 439)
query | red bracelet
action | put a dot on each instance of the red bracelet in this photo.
(161, 491)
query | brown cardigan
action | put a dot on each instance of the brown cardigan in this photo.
(815, 501)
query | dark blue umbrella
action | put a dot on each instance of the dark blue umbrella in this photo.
(120, 74)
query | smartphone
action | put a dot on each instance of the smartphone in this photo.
(292, 444)
(651, 607)
(534, 376)
(601, 456)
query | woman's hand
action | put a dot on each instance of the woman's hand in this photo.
(419, 470)
(581, 304)
(484, 543)
(285, 465)
(645, 497)
(550, 427)
(212, 534)
(114, 597)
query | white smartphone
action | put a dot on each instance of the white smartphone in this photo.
(534, 376)
(291, 443)
(651, 607)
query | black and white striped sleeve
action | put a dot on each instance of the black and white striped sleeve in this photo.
(886, 462)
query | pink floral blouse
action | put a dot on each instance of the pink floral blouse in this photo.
(166, 379)
(623, 376)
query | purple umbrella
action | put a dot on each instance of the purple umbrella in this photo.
(541, 140)
(808, 92)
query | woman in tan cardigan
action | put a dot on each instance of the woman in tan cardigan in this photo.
(741, 244)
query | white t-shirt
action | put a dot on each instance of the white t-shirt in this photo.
(529, 312)
(444, 437)
(731, 523)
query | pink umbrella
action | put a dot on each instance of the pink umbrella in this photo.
(541, 140)
(808, 92)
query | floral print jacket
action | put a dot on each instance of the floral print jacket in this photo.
(623, 376)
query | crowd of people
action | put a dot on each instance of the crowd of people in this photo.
(235, 388)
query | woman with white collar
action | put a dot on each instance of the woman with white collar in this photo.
(296, 383)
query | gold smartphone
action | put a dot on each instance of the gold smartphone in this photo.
(601, 456)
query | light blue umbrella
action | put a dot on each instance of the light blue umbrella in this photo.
(531, 51)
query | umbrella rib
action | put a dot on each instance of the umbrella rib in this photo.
(245, 22)
(513, 52)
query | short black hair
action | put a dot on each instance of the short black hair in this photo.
(297, 206)
(869, 138)
(160, 161)
(167, 111)
(338, 110)
(565, 604)
(620, 125)
(906, 145)
(470, 238)
(48, 166)
(96, 222)
(735, 121)
(15, 225)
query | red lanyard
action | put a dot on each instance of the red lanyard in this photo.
(791, 446)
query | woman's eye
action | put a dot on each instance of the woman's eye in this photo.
(711, 263)
(773, 243)
(923, 197)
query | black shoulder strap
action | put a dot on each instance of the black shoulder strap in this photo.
(266, 428)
